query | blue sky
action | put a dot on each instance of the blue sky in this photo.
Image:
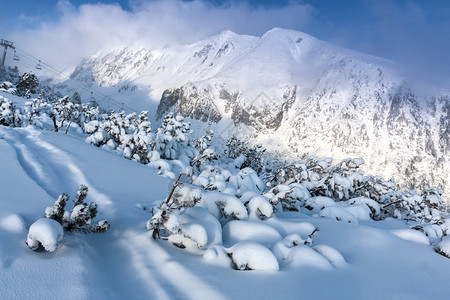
(414, 32)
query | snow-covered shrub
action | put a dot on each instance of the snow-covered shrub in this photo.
(247, 180)
(225, 206)
(202, 217)
(285, 197)
(374, 207)
(9, 74)
(36, 107)
(444, 247)
(129, 134)
(204, 142)
(318, 203)
(180, 197)
(7, 110)
(79, 218)
(338, 213)
(173, 139)
(283, 248)
(8, 87)
(27, 84)
(252, 256)
(64, 110)
(246, 156)
(260, 207)
(190, 233)
(45, 232)
(414, 207)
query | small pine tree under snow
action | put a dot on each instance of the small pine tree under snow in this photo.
(172, 139)
(79, 218)
(245, 154)
(46, 233)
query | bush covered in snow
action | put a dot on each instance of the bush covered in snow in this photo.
(27, 84)
(46, 233)
(245, 155)
(79, 218)
(444, 247)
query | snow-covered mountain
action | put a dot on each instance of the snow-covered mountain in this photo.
(296, 93)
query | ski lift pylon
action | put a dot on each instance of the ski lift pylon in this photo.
(39, 66)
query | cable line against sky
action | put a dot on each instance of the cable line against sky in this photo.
(42, 65)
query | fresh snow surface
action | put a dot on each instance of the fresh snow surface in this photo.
(345, 260)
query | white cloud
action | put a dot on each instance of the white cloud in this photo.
(81, 31)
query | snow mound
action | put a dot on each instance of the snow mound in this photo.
(196, 233)
(370, 203)
(45, 232)
(211, 225)
(291, 227)
(432, 231)
(360, 212)
(259, 206)
(219, 204)
(338, 213)
(304, 256)
(444, 246)
(252, 256)
(13, 223)
(239, 231)
(411, 235)
(217, 255)
(333, 256)
(282, 249)
(316, 204)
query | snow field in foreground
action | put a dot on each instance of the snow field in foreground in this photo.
(126, 260)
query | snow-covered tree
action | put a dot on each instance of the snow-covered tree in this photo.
(64, 110)
(173, 139)
(245, 155)
(27, 84)
(79, 218)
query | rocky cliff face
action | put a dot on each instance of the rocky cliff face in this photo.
(297, 93)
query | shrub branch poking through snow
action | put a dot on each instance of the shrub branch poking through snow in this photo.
(180, 197)
(80, 217)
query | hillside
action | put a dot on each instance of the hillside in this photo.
(294, 93)
(361, 258)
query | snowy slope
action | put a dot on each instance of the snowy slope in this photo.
(298, 94)
(126, 262)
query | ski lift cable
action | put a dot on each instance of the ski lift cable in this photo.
(79, 84)
(110, 98)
